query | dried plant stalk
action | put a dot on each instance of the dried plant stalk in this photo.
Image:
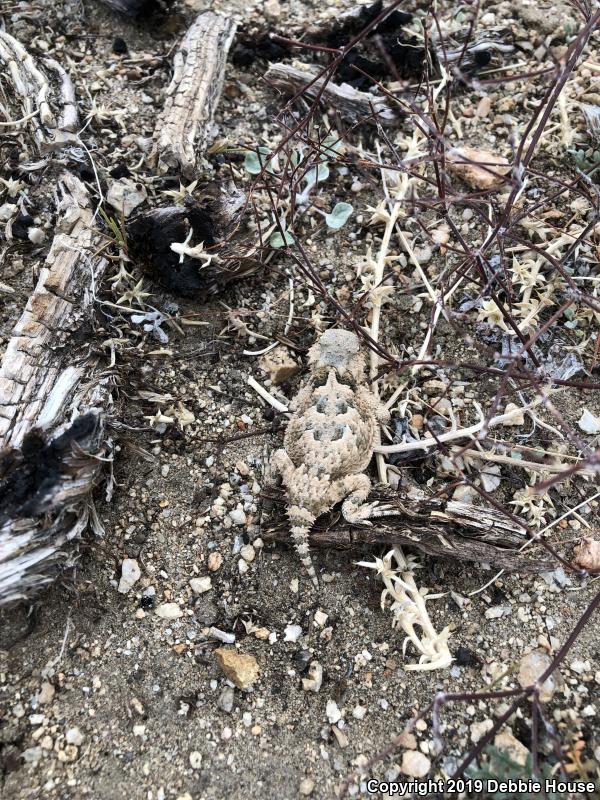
(185, 125)
(40, 93)
(351, 103)
(51, 405)
(443, 529)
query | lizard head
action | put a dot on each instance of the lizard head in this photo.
(339, 350)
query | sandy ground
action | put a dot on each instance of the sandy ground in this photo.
(101, 697)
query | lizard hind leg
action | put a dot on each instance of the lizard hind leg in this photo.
(301, 521)
(356, 489)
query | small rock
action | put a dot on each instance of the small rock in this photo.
(248, 553)
(226, 699)
(200, 585)
(587, 553)
(46, 694)
(509, 744)
(466, 163)
(490, 477)
(479, 729)
(130, 573)
(238, 516)
(589, 423)
(32, 755)
(497, 611)
(320, 618)
(74, 736)
(407, 740)
(333, 712)
(279, 365)
(358, 712)
(125, 195)
(532, 666)
(6, 212)
(518, 418)
(292, 633)
(340, 736)
(315, 678)
(415, 764)
(214, 561)
(306, 786)
(240, 668)
(195, 759)
(36, 235)
(243, 566)
(168, 611)
(272, 9)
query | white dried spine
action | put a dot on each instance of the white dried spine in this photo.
(409, 609)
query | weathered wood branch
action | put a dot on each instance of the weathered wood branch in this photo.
(40, 94)
(185, 126)
(444, 529)
(351, 103)
(52, 400)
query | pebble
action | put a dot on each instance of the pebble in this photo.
(125, 195)
(279, 365)
(464, 163)
(333, 712)
(226, 699)
(201, 585)
(587, 553)
(168, 611)
(238, 516)
(214, 561)
(532, 666)
(498, 611)
(130, 573)
(74, 736)
(195, 759)
(240, 668)
(315, 678)
(36, 235)
(415, 764)
(589, 423)
(292, 633)
(46, 694)
(320, 618)
(479, 729)
(509, 744)
(358, 712)
(243, 566)
(306, 786)
(248, 553)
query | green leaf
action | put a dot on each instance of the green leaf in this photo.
(338, 216)
(332, 145)
(319, 173)
(254, 162)
(277, 240)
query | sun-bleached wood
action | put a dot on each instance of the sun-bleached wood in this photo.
(185, 126)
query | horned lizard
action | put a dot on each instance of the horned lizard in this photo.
(329, 439)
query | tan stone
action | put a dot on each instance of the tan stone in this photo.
(240, 668)
(279, 365)
(516, 751)
(464, 162)
(587, 553)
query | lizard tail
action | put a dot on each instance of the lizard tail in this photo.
(301, 522)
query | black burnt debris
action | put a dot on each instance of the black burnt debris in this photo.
(186, 248)
(29, 476)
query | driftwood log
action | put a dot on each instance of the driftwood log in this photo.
(185, 126)
(52, 400)
(447, 529)
(39, 95)
(352, 104)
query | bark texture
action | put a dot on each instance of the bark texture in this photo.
(185, 126)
